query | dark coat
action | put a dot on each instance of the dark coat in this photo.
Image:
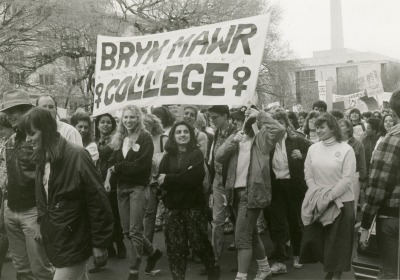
(21, 173)
(183, 183)
(77, 215)
(296, 166)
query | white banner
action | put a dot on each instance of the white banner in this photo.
(213, 64)
(350, 100)
(369, 79)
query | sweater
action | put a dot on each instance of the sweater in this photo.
(135, 168)
(331, 166)
(183, 182)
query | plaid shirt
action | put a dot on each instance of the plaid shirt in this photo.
(383, 191)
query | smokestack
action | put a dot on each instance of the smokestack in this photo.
(337, 41)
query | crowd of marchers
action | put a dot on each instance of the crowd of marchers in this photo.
(100, 187)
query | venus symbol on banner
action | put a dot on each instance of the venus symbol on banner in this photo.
(213, 64)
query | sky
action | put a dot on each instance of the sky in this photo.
(368, 25)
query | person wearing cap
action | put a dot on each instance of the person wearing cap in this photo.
(6, 131)
(20, 212)
(70, 133)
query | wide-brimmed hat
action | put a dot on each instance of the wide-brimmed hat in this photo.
(14, 98)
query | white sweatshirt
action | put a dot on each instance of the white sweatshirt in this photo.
(331, 166)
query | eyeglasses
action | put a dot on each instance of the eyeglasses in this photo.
(213, 118)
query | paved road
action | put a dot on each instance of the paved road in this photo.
(118, 269)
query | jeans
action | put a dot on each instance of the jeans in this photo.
(29, 257)
(285, 214)
(151, 212)
(75, 272)
(131, 204)
(3, 237)
(387, 235)
(219, 215)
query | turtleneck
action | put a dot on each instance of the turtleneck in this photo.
(329, 142)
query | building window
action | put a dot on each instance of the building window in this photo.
(46, 79)
(306, 76)
(305, 81)
(347, 80)
(16, 78)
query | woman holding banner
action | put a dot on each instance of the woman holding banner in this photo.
(131, 163)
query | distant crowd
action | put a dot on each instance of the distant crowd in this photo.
(101, 187)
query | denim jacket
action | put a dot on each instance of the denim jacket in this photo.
(258, 185)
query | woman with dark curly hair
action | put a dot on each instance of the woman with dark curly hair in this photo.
(385, 125)
(104, 127)
(358, 125)
(181, 176)
(328, 207)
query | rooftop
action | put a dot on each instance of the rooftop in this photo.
(343, 56)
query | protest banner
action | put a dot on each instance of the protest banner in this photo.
(350, 100)
(369, 79)
(205, 65)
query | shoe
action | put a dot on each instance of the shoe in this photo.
(121, 250)
(263, 275)
(133, 276)
(97, 267)
(214, 273)
(278, 268)
(296, 263)
(152, 261)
